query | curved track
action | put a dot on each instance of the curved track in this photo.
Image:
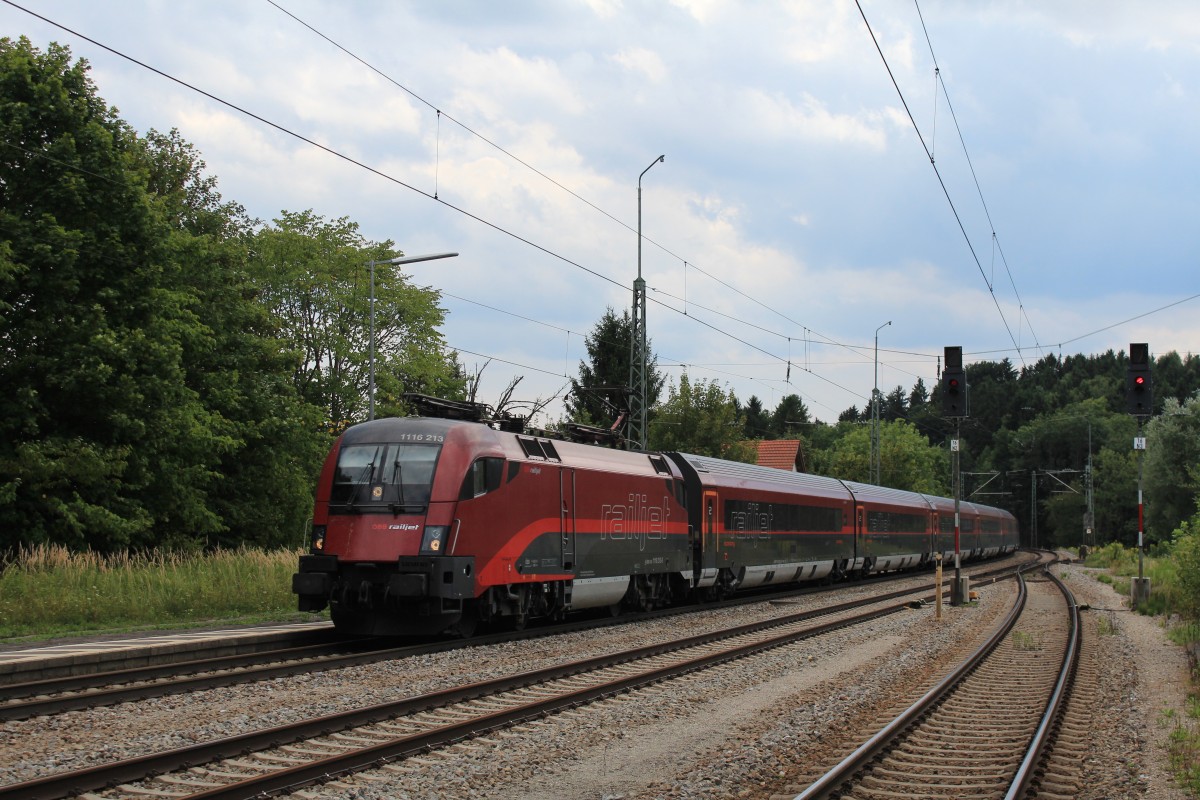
(983, 731)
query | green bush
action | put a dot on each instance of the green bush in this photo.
(1113, 556)
(1167, 594)
(1187, 566)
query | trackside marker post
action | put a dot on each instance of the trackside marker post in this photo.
(937, 560)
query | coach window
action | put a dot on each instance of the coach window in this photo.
(483, 477)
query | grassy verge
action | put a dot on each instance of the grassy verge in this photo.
(49, 591)
(1168, 599)
(1166, 593)
(1184, 745)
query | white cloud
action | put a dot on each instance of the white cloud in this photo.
(809, 118)
(646, 63)
(500, 84)
(605, 9)
(702, 11)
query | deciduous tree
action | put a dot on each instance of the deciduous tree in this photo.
(1172, 466)
(699, 418)
(906, 459)
(102, 441)
(314, 276)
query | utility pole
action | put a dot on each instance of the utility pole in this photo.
(638, 357)
(958, 590)
(875, 470)
(1033, 508)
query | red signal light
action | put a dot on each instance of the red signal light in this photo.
(952, 384)
(1139, 381)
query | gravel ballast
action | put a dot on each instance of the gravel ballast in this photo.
(744, 729)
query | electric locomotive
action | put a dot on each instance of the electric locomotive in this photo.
(426, 525)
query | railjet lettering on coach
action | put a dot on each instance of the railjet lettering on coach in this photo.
(635, 520)
(754, 520)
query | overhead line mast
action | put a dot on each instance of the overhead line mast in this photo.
(638, 358)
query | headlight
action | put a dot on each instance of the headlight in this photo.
(433, 542)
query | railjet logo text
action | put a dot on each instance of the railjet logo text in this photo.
(637, 519)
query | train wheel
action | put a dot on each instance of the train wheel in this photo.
(467, 623)
(614, 610)
(520, 606)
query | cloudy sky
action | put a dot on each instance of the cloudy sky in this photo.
(796, 211)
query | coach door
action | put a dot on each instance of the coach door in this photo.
(860, 532)
(710, 529)
(566, 486)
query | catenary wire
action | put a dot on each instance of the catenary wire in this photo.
(941, 181)
(392, 179)
(971, 165)
(543, 175)
(425, 194)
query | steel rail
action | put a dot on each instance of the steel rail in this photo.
(828, 784)
(150, 672)
(157, 650)
(129, 770)
(1042, 738)
(141, 683)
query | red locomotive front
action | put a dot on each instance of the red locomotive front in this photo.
(381, 528)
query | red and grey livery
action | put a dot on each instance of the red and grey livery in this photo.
(425, 525)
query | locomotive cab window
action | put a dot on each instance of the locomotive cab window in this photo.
(384, 477)
(483, 477)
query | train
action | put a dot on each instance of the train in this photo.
(439, 523)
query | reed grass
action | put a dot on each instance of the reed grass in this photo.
(48, 590)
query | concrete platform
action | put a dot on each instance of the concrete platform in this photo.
(102, 655)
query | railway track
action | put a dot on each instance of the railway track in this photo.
(317, 749)
(74, 692)
(78, 659)
(71, 692)
(989, 728)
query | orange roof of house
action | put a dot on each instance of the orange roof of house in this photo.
(780, 454)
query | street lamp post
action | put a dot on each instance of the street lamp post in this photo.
(637, 343)
(875, 412)
(400, 259)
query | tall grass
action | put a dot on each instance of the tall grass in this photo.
(1167, 595)
(48, 590)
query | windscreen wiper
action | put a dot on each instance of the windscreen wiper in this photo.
(364, 479)
(401, 506)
